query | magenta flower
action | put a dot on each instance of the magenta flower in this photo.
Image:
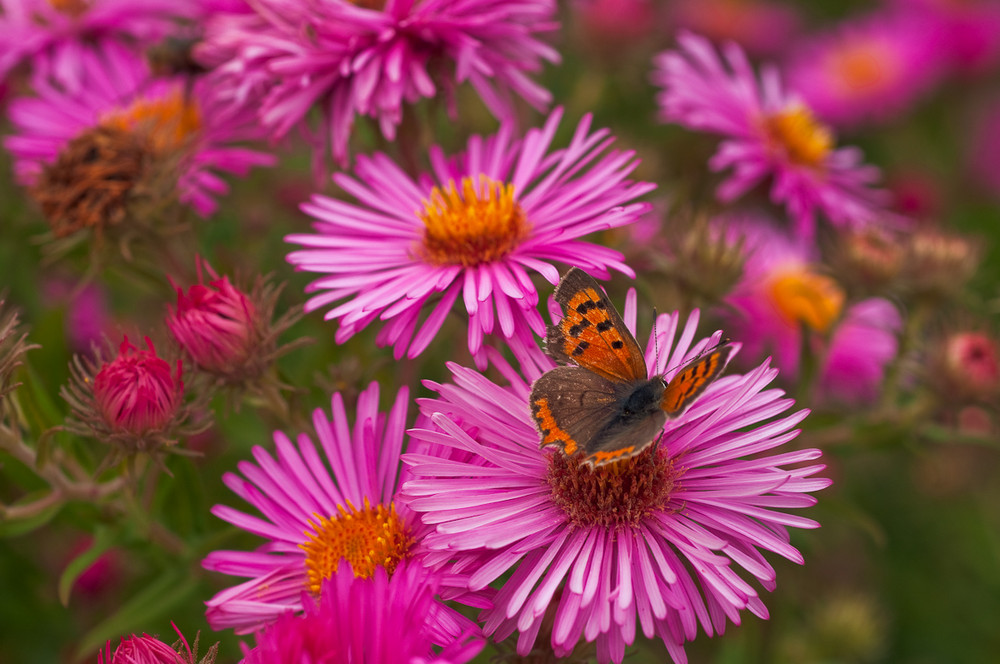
(215, 323)
(652, 542)
(476, 229)
(136, 392)
(867, 70)
(369, 58)
(119, 95)
(768, 133)
(966, 35)
(54, 35)
(312, 518)
(784, 289)
(379, 620)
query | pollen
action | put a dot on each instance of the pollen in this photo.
(802, 138)
(366, 538)
(169, 122)
(802, 296)
(617, 495)
(474, 225)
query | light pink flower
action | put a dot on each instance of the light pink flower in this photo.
(869, 69)
(477, 228)
(663, 542)
(117, 90)
(368, 59)
(768, 134)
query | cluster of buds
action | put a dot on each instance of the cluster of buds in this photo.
(225, 332)
(134, 401)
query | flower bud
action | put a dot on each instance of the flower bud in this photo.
(967, 367)
(136, 392)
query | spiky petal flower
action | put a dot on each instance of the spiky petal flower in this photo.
(53, 35)
(654, 541)
(313, 518)
(148, 649)
(767, 133)
(477, 228)
(370, 58)
(380, 620)
(126, 139)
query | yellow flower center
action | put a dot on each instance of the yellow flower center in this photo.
(473, 226)
(168, 121)
(366, 538)
(795, 131)
(861, 65)
(802, 296)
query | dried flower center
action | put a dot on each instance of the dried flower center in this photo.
(795, 131)
(861, 65)
(802, 296)
(89, 184)
(618, 495)
(70, 7)
(169, 121)
(475, 226)
(365, 538)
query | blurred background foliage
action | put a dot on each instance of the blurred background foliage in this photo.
(906, 567)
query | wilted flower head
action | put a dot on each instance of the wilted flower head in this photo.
(345, 59)
(866, 70)
(52, 35)
(124, 145)
(384, 619)
(475, 229)
(148, 649)
(768, 134)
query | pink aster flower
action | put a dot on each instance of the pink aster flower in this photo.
(783, 289)
(369, 58)
(313, 518)
(652, 542)
(759, 26)
(768, 133)
(477, 229)
(866, 70)
(54, 35)
(178, 124)
(379, 620)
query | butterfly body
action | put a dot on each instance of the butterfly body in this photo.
(607, 406)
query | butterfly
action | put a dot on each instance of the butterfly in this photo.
(607, 406)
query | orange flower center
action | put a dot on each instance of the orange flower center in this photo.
(795, 131)
(70, 7)
(168, 121)
(365, 538)
(860, 65)
(473, 226)
(802, 296)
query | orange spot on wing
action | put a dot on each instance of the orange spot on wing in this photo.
(601, 458)
(552, 433)
(690, 382)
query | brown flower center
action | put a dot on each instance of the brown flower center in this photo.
(796, 132)
(473, 226)
(802, 296)
(366, 538)
(617, 495)
(89, 184)
(169, 121)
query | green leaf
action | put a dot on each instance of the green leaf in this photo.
(155, 602)
(17, 527)
(103, 540)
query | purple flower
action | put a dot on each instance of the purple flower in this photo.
(118, 94)
(866, 70)
(783, 289)
(314, 518)
(651, 542)
(379, 620)
(768, 133)
(477, 229)
(54, 35)
(369, 58)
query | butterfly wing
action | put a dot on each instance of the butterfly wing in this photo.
(692, 379)
(591, 333)
(571, 405)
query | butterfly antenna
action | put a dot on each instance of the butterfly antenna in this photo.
(656, 341)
